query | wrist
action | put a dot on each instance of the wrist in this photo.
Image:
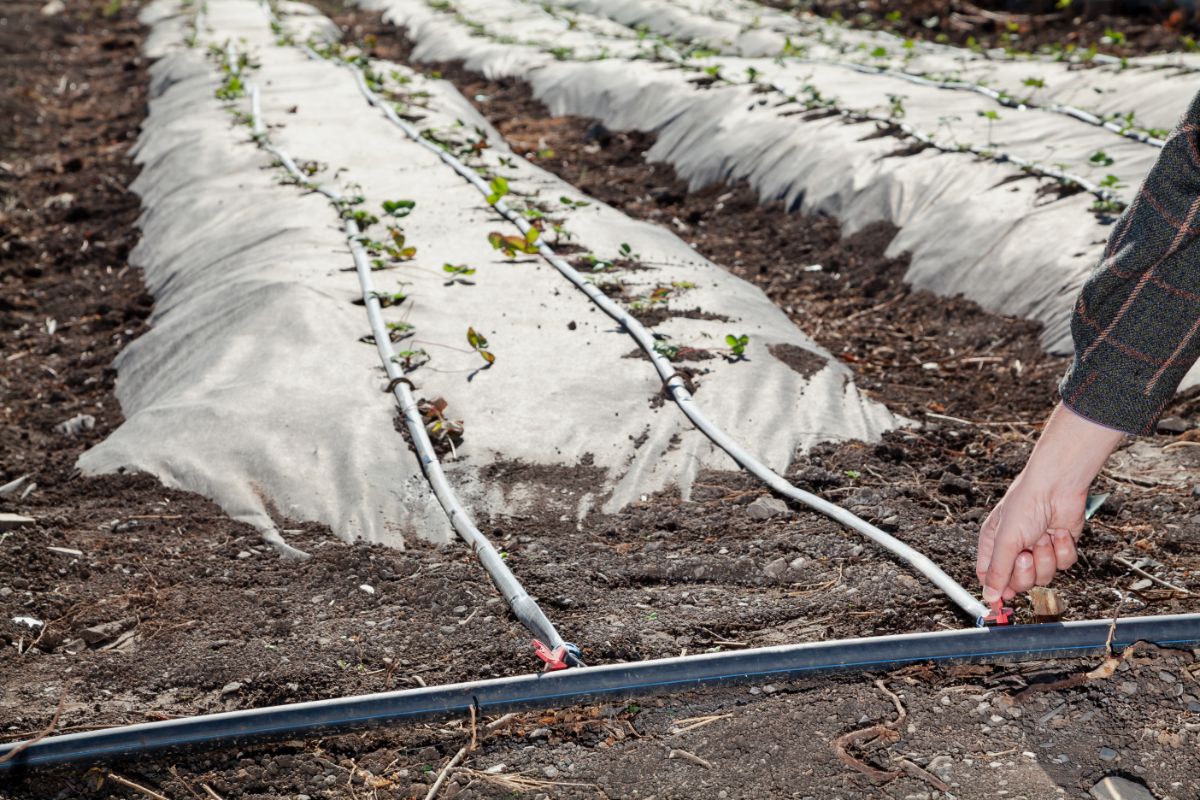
(1070, 452)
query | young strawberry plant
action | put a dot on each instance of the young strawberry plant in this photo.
(737, 346)
(480, 345)
(389, 299)
(458, 274)
(398, 208)
(399, 250)
(441, 429)
(511, 245)
(411, 359)
(399, 331)
(499, 187)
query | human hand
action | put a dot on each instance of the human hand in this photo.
(1033, 531)
(1029, 536)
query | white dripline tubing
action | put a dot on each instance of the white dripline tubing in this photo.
(645, 340)
(1000, 97)
(667, 55)
(523, 606)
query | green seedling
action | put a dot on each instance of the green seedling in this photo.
(411, 359)
(362, 217)
(752, 75)
(897, 106)
(1101, 159)
(438, 425)
(1035, 83)
(666, 349)
(399, 250)
(1113, 37)
(511, 245)
(499, 187)
(458, 274)
(879, 52)
(398, 208)
(737, 345)
(1107, 206)
(232, 89)
(991, 116)
(1111, 182)
(626, 252)
(389, 299)
(480, 345)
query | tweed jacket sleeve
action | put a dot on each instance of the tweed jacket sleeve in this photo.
(1137, 321)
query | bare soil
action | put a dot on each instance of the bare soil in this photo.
(172, 609)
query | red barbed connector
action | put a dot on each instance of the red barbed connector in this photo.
(1001, 614)
(555, 659)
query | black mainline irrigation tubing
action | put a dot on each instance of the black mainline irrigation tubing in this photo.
(674, 384)
(606, 682)
(524, 607)
(990, 154)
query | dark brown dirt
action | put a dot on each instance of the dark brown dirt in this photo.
(173, 609)
(1115, 27)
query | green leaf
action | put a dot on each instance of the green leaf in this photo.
(532, 235)
(398, 208)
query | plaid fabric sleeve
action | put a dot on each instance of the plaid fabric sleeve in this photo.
(1137, 321)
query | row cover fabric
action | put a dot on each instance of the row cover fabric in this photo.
(253, 388)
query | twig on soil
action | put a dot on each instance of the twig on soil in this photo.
(497, 724)
(881, 732)
(211, 792)
(49, 729)
(1139, 571)
(137, 787)
(1105, 670)
(441, 778)
(691, 758)
(922, 774)
(519, 783)
(977, 423)
(691, 723)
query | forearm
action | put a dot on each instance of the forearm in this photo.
(1137, 323)
(1070, 452)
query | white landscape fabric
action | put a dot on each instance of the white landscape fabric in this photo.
(980, 227)
(252, 386)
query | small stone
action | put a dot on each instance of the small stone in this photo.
(1172, 425)
(798, 563)
(551, 772)
(954, 484)
(243, 555)
(539, 733)
(1116, 788)
(776, 569)
(766, 508)
(232, 687)
(76, 424)
(1128, 688)
(856, 551)
(1166, 677)
(1108, 754)
(1144, 583)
